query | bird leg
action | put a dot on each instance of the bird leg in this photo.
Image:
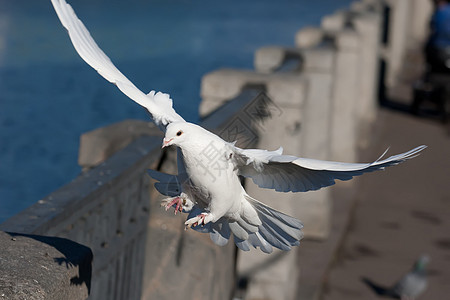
(181, 202)
(168, 202)
(201, 219)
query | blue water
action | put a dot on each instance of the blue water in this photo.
(49, 96)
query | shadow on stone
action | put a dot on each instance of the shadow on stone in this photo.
(74, 255)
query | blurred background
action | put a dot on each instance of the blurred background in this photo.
(347, 79)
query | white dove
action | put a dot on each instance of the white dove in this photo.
(208, 185)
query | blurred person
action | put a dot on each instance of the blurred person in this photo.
(437, 49)
(434, 86)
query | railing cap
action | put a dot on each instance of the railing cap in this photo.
(38, 267)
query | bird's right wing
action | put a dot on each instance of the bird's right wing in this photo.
(287, 173)
(158, 104)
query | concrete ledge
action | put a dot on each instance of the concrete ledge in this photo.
(272, 58)
(219, 86)
(269, 59)
(334, 22)
(40, 267)
(309, 37)
(98, 145)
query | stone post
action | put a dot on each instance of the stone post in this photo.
(308, 37)
(397, 38)
(287, 92)
(347, 75)
(368, 27)
(419, 22)
(316, 136)
(334, 22)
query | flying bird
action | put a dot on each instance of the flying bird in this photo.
(208, 185)
(409, 287)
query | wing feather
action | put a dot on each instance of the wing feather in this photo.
(159, 105)
(286, 173)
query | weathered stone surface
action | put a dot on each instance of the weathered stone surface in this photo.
(308, 37)
(315, 136)
(268, 59)
(99, 144)
(347, 74)
(368, 26)
(36, 267)
(107, 209)
(344, 68)
(219, 86)
(334, 22)
(114, 210)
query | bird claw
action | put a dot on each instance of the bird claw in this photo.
(177, 201)
(201, 219)
(181, 203)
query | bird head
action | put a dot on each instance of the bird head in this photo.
(186, 135)
(422, 262)
(175, 134)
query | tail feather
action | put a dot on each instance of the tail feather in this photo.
(268, 211)
(276, 229)
(220, 233)
(238, 231)
(278, 234)
(273, 240)
(281, 230)
(242, 244)
(248, 227)
(256, 240)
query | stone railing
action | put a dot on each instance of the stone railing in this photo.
(40, 267)
(140, 251)
(319, 100)
(407, 27)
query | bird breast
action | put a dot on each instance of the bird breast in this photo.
(209, 165)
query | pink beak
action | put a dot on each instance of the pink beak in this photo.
(166, 142)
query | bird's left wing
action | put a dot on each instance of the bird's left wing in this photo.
(171, 185)
(158, 104)
(286, 173)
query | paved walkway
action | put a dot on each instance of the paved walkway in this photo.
(401, 213)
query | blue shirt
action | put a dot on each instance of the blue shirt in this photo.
(440, 25)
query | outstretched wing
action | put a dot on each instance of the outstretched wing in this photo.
(158, 104)
(286, 173)
(171, 185)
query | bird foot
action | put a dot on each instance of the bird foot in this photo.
(201, 219)
(180, 203)
(174, 201)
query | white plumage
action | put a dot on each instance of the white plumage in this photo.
(207, 185)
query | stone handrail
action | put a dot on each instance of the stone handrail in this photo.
(113, 209)
(40, 267)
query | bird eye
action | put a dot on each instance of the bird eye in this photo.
(179, 133)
